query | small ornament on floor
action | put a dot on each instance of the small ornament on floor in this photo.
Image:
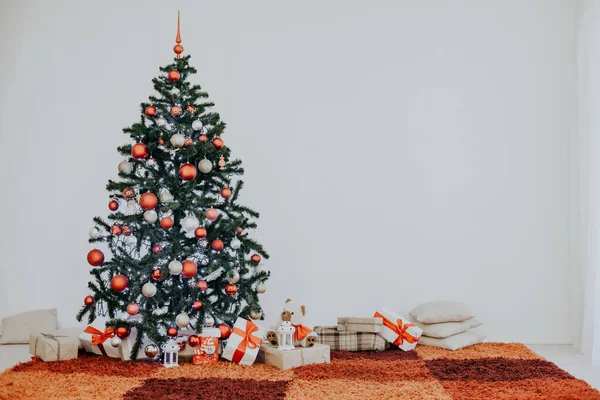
(170, 354)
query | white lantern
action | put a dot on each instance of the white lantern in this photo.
(285, 334)
(175, 267)
(177, 140)
(197, 125)
(125, 167)
(170, 354)
(205, 166)
(235, 243)
(150, 216)
(182, 320)
(149, 289)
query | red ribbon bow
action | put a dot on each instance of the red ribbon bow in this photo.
(249, 341)
(301, 332)
(99, 337)
(399, 328)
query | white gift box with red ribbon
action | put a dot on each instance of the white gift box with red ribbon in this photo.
(244, 342)
(398, 330)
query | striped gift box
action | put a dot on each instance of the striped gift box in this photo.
(360, 324)
(349, 341)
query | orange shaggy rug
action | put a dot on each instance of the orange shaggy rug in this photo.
(483, 371)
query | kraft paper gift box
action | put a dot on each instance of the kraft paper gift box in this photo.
(53, 346)
(187, 354)
(244, 342)
(285, 359)
(359, 324)
(349, 341)
(398, 330)
(98, 342)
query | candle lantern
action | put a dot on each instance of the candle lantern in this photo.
(285, 334)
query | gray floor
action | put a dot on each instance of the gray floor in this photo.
(565, 356)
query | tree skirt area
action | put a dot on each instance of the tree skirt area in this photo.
(483, 371)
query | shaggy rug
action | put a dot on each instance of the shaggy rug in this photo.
(483, 371)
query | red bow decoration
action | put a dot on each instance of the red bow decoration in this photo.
(301, 332)
(99, 337)
(399, 328)
(248, 340)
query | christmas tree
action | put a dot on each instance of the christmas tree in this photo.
(181, 253)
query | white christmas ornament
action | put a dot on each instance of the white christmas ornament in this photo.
(189, 223)
(115, 341)
(209, 321)
(165, 196)
(161, 122)
(125, 167)
(197, 125)
(255, 315)
(95, 233)
(177, 140)
(175, 267)
(205, 166)
(150, 216)
(149, 289)
(235, 243)
(182, 320)
(261, 288)
(233, 276)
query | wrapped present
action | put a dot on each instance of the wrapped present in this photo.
(285, 359)
(128, 343)
(94, 341)
(207, 352)
(244, 342)
(398, 331)
(359, 324)
(349, 341)
(187, 352)
(53, 346)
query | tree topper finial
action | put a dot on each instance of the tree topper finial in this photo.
(178, 49)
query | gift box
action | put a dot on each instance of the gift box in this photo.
(359, 324)
(349, 341)
(398, 330)
(285, 359)
(244, 342)
(207, 351)
(128, 343)
(187, 353)
(97, 342)
(53, 346)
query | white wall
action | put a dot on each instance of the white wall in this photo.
(399, 152)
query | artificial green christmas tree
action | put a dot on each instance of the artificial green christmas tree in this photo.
(181, 252)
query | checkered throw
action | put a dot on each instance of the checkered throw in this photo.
(349, 341)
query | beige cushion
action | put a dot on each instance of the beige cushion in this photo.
(445, 329)
(16, 329)
(454, 342)
(441, 311)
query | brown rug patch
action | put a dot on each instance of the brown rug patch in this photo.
(215, 388)
(389, 355)
(481, 350)
(494, 369)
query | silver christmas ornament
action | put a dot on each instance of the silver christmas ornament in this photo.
(95, 233)
(255, 315)
(149, 289)
(205, 166)
(130, 240)
(261, 288)
(175, 267)
(189, 223)
(177, 140)
(235, 243)
(209, 321)
(164, 196)
(204, 261)
(233, 276)
(182, 320)
(115, 341)
(197, 125)
(150, 216)
(125, 167)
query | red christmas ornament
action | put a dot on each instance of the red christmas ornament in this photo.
(123, 332)
(157, 249)
(174, 75)
(230, 289)
(239, 229)
(128, 193)
(119, 283)
(181, 345)
(139, 151)
(88, 301)
(212, 214)
(166, 222)
(202, 285)
(193, 340)
(187, 171)
(190, 108)
(157, 274)
(95, 257)
(172, 331)
(200, 232)
(113, 205)
(187, 141)
(197, 305)
(218, 143)
(217, 245)
(203, 138)
(255, 258)
(176, 111)
(161, 142)
(132, 309)
(178, 49)
(116, 230)
(225, 330)
(151, 111)
(225, 192)
(189, 269)
(127, 230)
(148, 201)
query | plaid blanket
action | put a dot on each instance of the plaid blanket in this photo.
(349, 341)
